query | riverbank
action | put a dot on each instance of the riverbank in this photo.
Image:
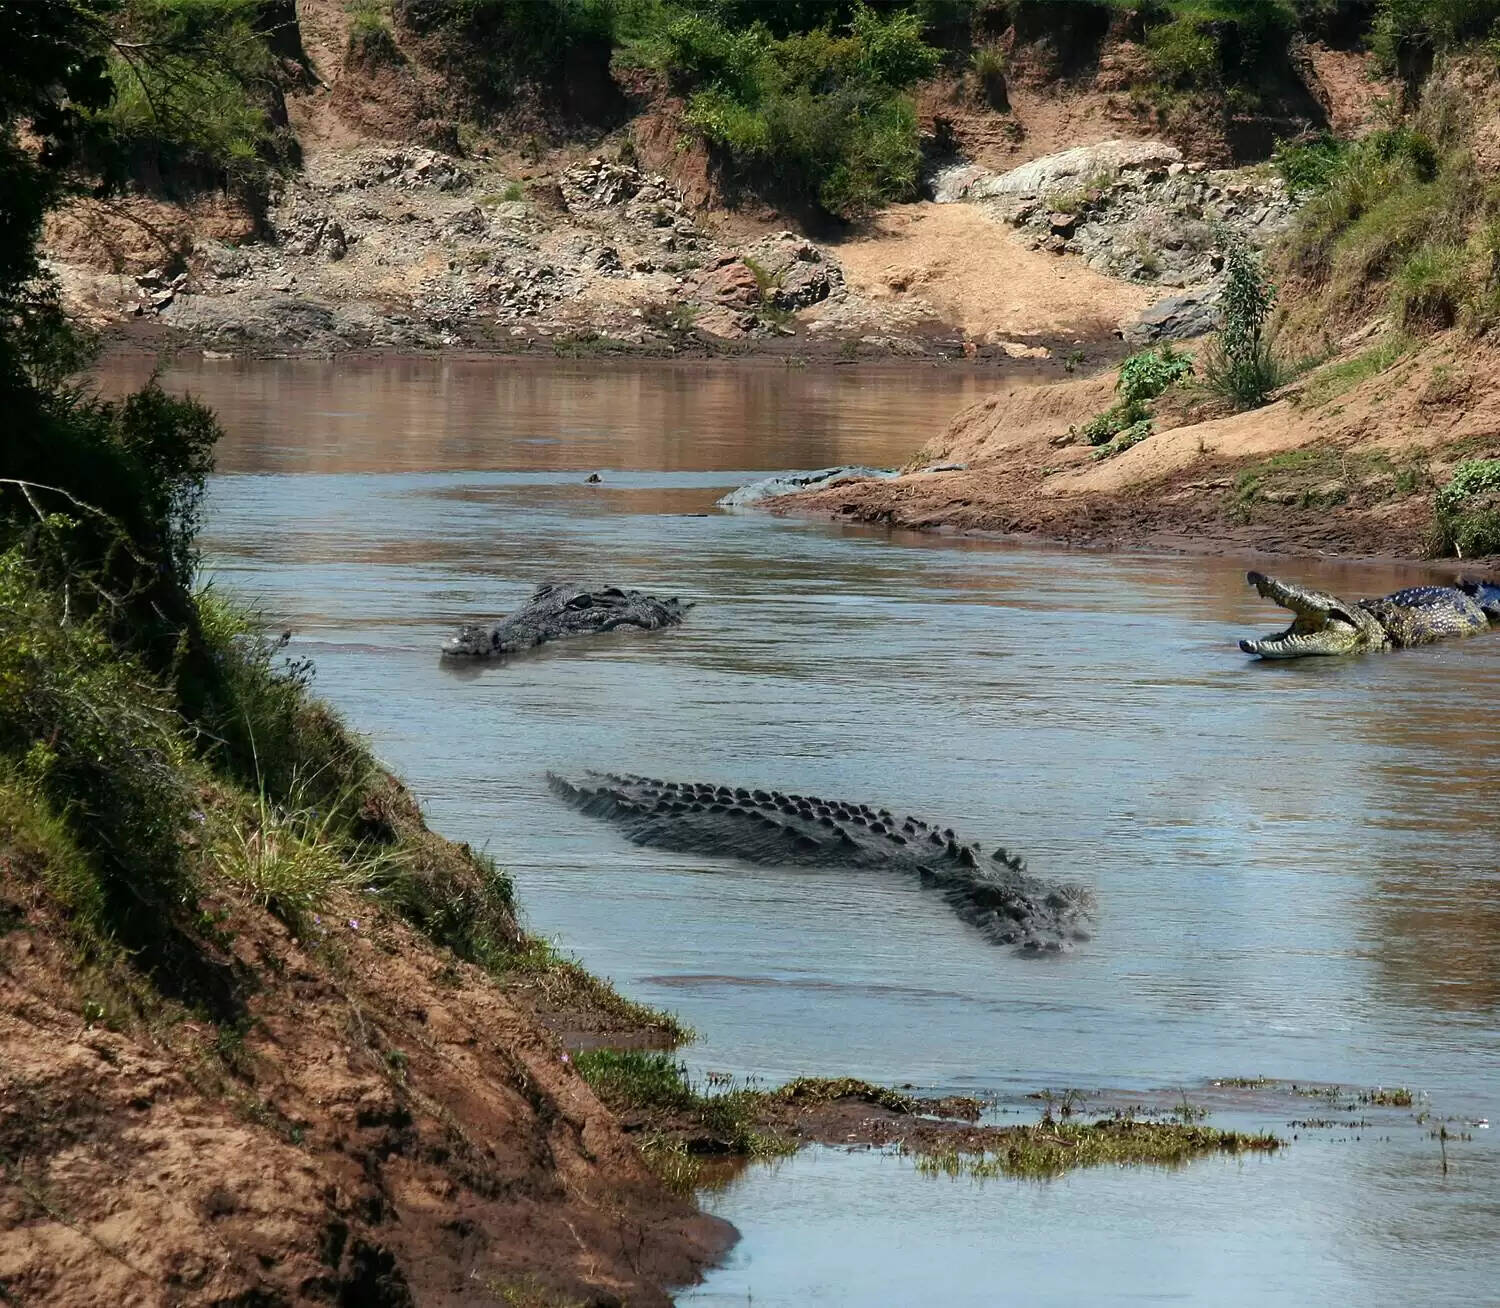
(1343, 461)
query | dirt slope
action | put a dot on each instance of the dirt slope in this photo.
(383, 1126)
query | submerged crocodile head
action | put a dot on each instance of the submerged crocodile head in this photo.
(1322, 623)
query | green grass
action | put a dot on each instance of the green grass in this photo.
(1050, 1149)
(656, 1084)
(1335, 379)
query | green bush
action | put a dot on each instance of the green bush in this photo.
(1309, 167)
(1143, 377)
(1148, 374)
(195, 87)
(1466, 511)
(819, 114)
(1470, 478)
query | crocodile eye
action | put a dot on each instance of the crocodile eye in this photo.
(580, 601)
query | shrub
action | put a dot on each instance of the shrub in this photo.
(106, 499)
(1466, 511)
(1310, 166)
(1148, 374)
(818, 114)
(1142, 378)
(1131, 435)
(1242, 366)
(94, 739)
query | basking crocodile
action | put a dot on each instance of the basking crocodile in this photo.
(561, 609)
(991, 891)
(1326, 624)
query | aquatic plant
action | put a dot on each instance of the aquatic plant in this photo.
(1051, 1148)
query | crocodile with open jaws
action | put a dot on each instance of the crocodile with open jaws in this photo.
(561, 609)
(1326, 624)
(993, 892)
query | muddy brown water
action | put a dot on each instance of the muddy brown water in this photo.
(1295, 865)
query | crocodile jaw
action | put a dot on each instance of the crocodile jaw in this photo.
(471, 643)
(1322, 624)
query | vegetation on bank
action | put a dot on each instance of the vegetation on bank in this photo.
(155, 750)
(1466, 511)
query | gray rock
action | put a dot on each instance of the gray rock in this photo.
(1174, 318)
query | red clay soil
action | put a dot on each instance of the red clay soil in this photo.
(391, 1128)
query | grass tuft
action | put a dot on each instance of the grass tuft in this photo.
(1049, 1149)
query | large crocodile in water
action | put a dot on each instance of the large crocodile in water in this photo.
(993, 892)
(561, 609)
(1326, 624)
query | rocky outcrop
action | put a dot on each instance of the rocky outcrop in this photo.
(1135, 211)
(411, 248)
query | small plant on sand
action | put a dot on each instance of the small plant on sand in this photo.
(1143, 377)
(1242, 366)
(1132, 435)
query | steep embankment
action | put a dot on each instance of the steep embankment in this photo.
(378, 1124)
(1367, 421)
(442, 197)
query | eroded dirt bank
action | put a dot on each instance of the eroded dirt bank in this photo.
(1332, 465)
(372, 1121)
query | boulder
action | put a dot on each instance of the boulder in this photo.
(731, 284)
(1174, 318)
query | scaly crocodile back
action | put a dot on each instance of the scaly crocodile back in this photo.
(1420, 615)
(993, 892)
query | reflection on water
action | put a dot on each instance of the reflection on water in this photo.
(1294, 863)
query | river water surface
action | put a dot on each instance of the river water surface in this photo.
(1295, 864)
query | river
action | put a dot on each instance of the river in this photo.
(1295, 864)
